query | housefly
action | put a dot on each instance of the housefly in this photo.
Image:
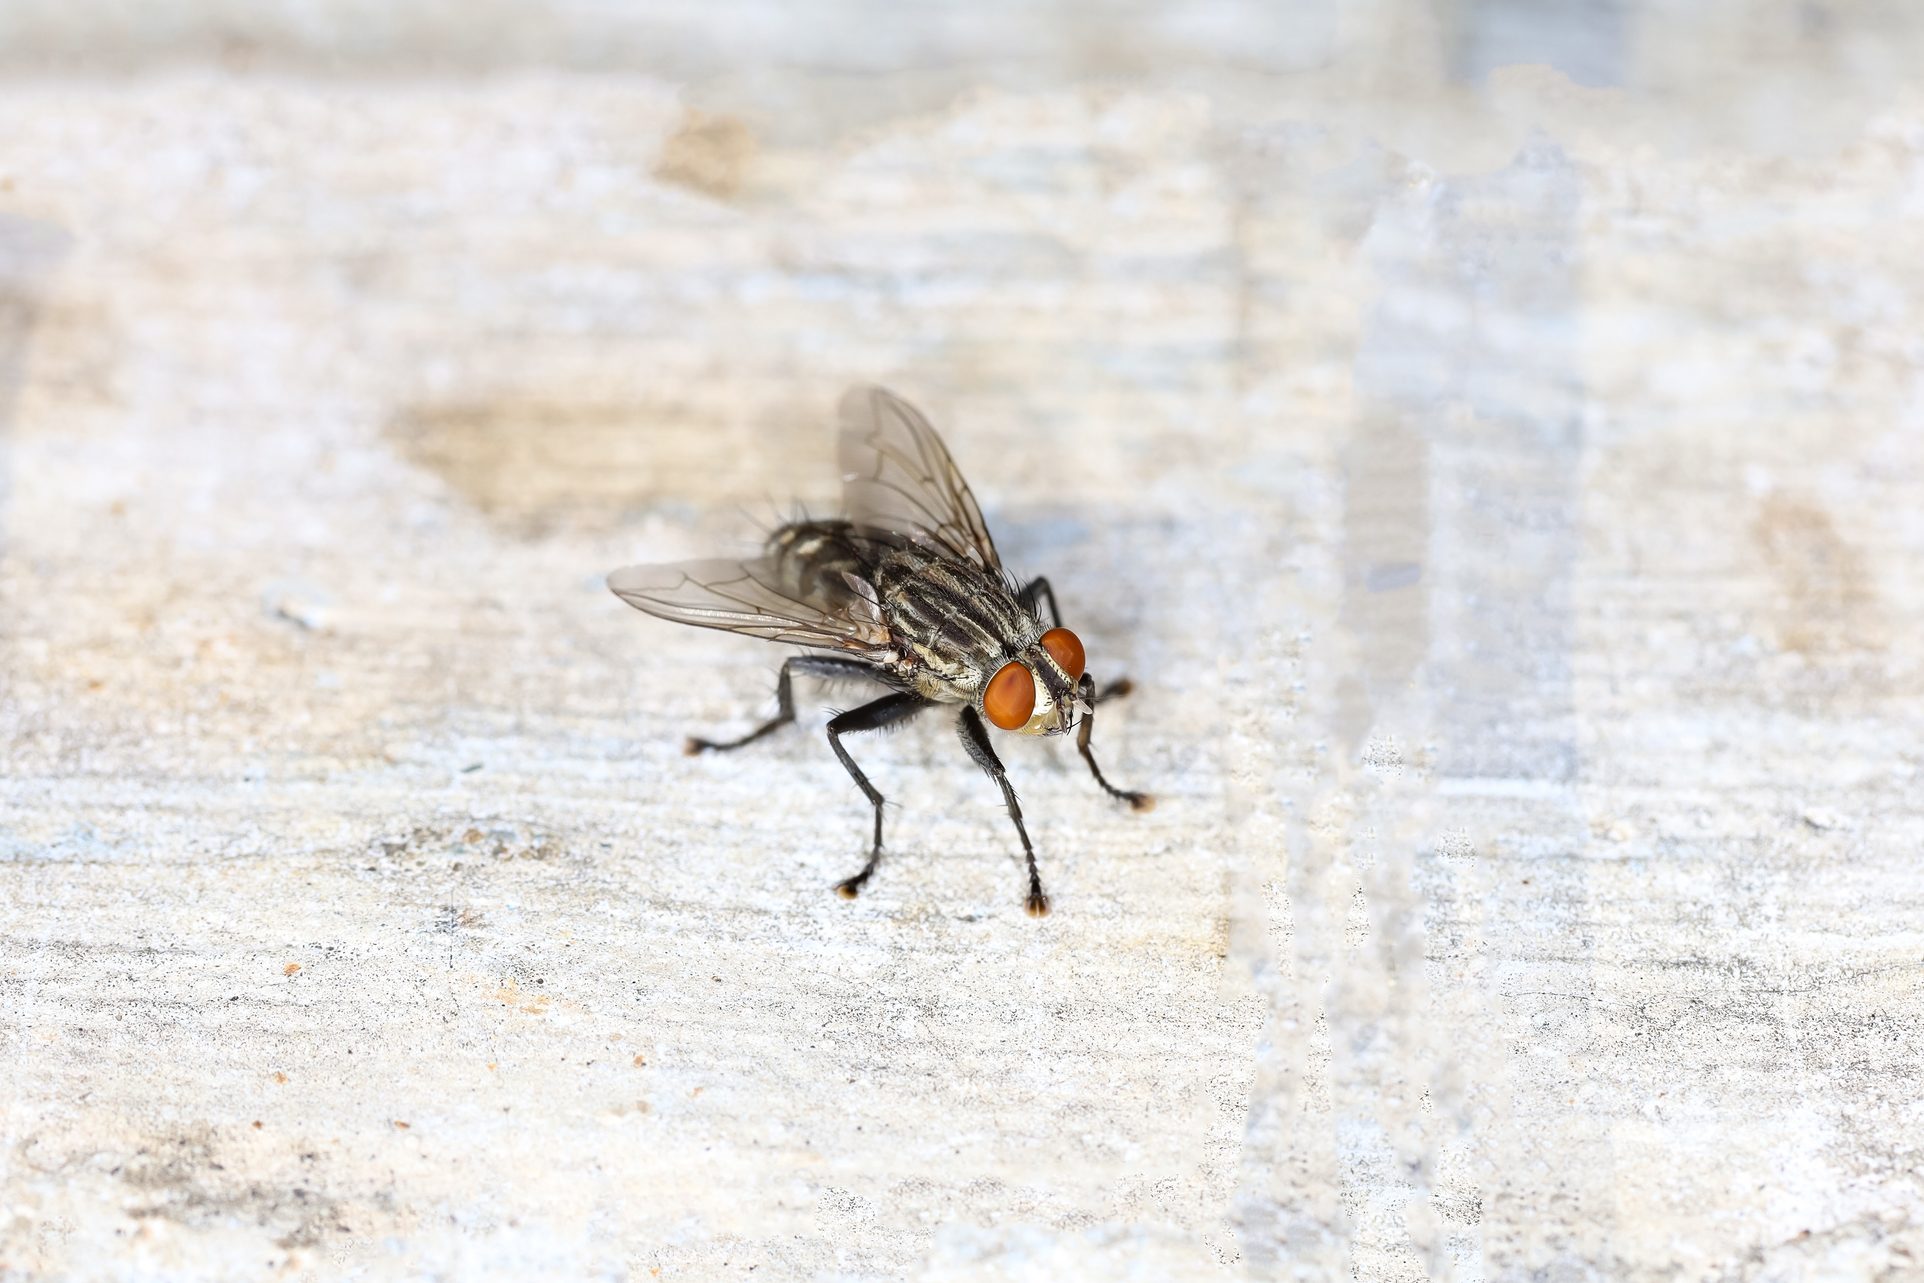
(904, 590)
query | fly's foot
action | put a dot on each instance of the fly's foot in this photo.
(1038, 903)
(695, 745)
(849, 888)
(1115, 690)
(1138, 802)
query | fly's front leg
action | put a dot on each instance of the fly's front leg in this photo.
(1139, 801)
(886, 711)
(1037, 591)
(975, 738)
(811, 665)
(1032, 594)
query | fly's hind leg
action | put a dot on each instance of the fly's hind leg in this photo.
(873, 716)
(1037, 591)
(975, 738)
(809, 665)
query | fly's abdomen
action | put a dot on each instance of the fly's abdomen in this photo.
(814, 556)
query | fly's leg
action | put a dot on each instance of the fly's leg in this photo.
(1037, 591)
(975, 738)
(811, 665)
(1138, 801)
(873, 716)
(1034, 592)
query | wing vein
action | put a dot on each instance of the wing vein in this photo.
(900, 481)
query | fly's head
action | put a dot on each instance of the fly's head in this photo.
(1036, 693)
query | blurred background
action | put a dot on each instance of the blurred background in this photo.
(1491, 434)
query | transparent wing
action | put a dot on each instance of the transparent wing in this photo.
(750, 597)
(898, 479)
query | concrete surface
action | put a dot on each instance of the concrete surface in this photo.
(1491, 437)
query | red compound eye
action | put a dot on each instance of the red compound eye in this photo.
(1010, 697)
(1066, 649)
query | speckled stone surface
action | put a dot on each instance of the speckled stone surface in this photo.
(1495, 446)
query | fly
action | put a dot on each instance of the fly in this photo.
(905, 591)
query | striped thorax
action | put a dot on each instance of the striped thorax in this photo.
(951, 626)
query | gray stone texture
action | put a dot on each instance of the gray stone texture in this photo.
(1491, 434)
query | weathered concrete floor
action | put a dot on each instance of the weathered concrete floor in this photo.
(1517, 543)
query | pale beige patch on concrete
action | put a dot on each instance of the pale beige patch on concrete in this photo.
(711, 154)
(1506, 502)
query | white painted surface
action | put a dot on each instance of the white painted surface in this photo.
(1504, 487)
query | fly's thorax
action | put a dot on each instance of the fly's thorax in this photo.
(954, 625)
(958, 630)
